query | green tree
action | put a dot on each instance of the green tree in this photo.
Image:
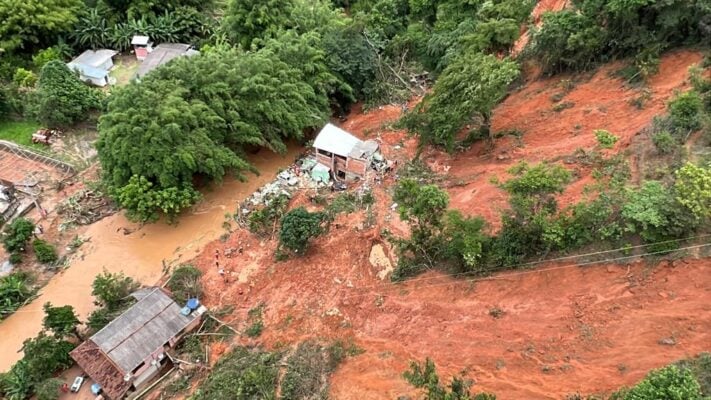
(44, 355)
(29, 24)
(45, 252)
(61, 321)
(184, 283)
(49, 389)
(62, 99)
(424, 376)
(197, 115)
(685, 112)
(92, 30)
(113, 290)
(14, 291)
(17, 234)
(472, 85)
(654, 213)
(247, 20)
(16, 384)
(437, 236)
(669, 383)
(298, 226)
(530, 225)
(112, 294)
(693, 189)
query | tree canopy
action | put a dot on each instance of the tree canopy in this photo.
(62, 99)
(28, 24)
(197, 115)
(469, 87)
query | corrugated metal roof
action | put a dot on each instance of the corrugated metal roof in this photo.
(94, 59)
(335, 140)
(88, 71)
(139, 40)
(145, 327)
(163, 53)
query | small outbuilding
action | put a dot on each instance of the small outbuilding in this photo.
(142, 46)
(93, 66)
(133, 348)
(344, 154)
(163, 53)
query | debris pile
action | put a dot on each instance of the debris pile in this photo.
(84, 208)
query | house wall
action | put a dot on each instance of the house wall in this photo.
(356, 166)
(94, 81)
(107, 65)
(141, 52)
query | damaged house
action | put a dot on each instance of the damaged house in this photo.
(133, 349)
(346, 156)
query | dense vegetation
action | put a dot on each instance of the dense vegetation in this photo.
(595, 31)
(253, 373)
(44, 356)
(15, 289)
(112, 293)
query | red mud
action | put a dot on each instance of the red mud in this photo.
(602, 102)
(564, 329)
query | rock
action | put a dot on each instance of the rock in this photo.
(670, 341)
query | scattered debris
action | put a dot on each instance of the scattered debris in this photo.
(668, 341)
(84, 208)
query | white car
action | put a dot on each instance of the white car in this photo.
(78, 381)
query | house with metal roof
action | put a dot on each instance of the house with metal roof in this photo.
(346, 156)
(163, 53)
(93, 66)
(133, 348)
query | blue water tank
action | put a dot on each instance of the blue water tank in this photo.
(193, 304)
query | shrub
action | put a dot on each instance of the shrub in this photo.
(185, 283)
(49, 389)
(664, 142)
(14, 291)
(262, 222)
(17, 234)
(685, 112)
(605, 139)
(242, 374)
(298, 226)
(62, 99)
(45, 252)
(24, 78)
(693, 189)
(44, 56)
(424, 376)
(669, 383)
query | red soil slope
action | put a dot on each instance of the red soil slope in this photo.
(564, 329)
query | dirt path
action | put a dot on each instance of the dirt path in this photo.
(138, 254)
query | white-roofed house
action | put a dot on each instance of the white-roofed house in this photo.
(344, 154)
(94, 66)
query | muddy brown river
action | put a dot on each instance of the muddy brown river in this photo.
(138, 255)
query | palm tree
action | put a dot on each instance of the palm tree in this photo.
(91, 30)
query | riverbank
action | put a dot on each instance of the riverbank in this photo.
(139, 254)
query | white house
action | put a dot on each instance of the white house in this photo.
(94, 66)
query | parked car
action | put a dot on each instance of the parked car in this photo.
(78, 381)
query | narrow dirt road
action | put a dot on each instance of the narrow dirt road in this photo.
(138, 254)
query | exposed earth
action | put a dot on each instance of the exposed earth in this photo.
(535, 334)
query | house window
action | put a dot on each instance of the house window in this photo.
(341, 174)
(324, 152)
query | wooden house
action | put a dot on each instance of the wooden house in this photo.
(133, 348)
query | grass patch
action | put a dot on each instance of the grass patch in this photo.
(20, 132)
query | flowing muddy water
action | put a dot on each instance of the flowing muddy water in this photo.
(138, 255)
